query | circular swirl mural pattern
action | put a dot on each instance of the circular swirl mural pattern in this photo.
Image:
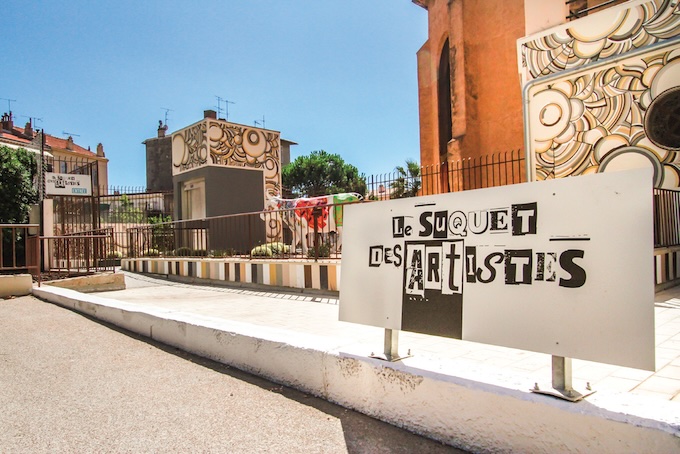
(620, 116)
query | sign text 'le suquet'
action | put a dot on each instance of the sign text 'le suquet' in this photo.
(444, 262)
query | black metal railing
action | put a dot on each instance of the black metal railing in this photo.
(126, 207)
(474, 173)
(305, 232)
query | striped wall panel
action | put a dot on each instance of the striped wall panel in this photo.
(318, 276)
(666, 266)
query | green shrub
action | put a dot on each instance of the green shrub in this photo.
(262, 251)
(151, 253)
(324, 251)
(188, 252)
(222, 253)
(270, 250)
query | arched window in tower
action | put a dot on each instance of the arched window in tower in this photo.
(444, 102)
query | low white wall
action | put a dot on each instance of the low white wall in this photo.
(106, 282)
(474, 415)
(15, 285)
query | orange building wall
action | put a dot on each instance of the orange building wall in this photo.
(486, 92)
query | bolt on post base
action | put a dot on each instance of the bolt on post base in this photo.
(561, 382)
(391, 347)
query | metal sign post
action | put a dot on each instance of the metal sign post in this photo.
(391, 347)
(562, 383)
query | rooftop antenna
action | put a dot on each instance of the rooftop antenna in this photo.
(258, 123)
(9, 103)
(31, 119)
(166, 114)
(70, 134)
(226, 106)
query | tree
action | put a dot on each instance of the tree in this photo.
(322, 173)
(407, 183)
(18, 169)
(126, 212)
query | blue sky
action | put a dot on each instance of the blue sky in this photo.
(338, 75)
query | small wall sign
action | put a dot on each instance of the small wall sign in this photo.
(68, 184)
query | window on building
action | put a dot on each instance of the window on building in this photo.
(444, 103)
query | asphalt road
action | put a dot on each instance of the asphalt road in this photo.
(72, 384)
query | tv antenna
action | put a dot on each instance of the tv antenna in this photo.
(31, 119)
(70, 134)
(9, 103)
(166, 114)
(226, 107)
(262, 124)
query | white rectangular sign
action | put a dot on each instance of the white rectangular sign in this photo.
(68, 184)
(563, 267)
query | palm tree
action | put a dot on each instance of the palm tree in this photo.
(407, 181)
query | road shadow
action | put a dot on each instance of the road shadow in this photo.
(362, 433)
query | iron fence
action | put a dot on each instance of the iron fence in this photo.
(19, 248)
(666, 217)
(70, 165)
(112, 209)
(310, 232)
(79, 253)
(481, 172)
(128, 207)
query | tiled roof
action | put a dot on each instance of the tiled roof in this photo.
(56, 142)
(13, 137)
(53, 142)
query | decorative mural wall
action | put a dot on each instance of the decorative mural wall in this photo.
(217, 142)
(603, 93)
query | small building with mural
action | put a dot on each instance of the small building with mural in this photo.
(219, 167)
(223, 168)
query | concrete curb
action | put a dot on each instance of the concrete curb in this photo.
(15, 285)
(93, 283)
(474, 415)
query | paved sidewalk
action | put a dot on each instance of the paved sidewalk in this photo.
(301, 314)
(68, 384)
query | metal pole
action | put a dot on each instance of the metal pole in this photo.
(391, 349)
(41, 198)
(561, 374)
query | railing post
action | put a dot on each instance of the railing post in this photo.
(87, 254)
(38, 255)
(315, 219)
